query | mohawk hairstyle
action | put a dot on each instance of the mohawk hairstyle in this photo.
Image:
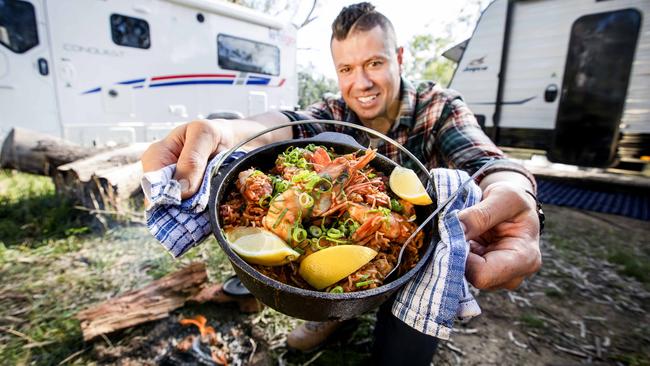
(360, 17)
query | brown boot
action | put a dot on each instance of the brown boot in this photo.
(311, 335)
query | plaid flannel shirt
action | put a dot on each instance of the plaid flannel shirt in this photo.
(434, 124)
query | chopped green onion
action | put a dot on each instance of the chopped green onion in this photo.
(327, 183)
(299, 250)
(299, 234)
(315, 231)
(306, 200)
(337, 241)
(264, 201)
(315, 242)
(364, 283)
(371, 175)
(364, 277)
(334, 233)
(337, 290)
(279, 219)
(395, 205)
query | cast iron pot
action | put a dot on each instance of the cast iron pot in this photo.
(293, 301)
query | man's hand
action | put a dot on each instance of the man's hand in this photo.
(190, 146)
(503, 230)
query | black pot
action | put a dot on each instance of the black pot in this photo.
(293, 301)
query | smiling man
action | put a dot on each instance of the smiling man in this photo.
(434, 124)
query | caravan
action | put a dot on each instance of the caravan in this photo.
(568, 77)
(103, 72)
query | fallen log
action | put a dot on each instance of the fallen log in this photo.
(104, 181)
(152, 302)
(157, 300)
(38, 153)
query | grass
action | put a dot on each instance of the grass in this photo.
(531, 321)
(615, 244)
(32, 213)
(52, 266)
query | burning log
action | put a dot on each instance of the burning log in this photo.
(152, 302)
(157, 300)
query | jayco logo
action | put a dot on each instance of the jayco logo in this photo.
(476, 65)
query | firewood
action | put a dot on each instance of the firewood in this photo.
(152, 302)
(157, 300)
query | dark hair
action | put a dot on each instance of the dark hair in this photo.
(360, 17)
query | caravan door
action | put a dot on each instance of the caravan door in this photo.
(594, 87)
(27, 97)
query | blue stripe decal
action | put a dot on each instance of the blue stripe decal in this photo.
(131, 81)
(92, 91)
(193, 82)
(258, 82)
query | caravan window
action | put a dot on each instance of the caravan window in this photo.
(130, 32)
(18, 25)
(241, 54)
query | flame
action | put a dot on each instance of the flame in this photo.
(200, 322)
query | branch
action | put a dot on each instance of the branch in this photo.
(308, 18)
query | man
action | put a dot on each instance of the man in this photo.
(432, 123)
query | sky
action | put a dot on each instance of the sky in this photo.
(409, 17)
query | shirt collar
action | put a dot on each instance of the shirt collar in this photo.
(408, 95)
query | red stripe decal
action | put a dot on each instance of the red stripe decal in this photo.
(193, 76)
(281, 82)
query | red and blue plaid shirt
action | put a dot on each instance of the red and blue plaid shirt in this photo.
(434, 124)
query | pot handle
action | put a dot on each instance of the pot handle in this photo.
(328, 122)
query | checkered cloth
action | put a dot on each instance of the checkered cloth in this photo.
(429, 303)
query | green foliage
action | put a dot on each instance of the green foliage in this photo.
(425, 61)
(313, 87)
(31, 211)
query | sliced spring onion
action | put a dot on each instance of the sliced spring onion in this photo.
(337, 290)
(334, 233)
(315, 231)
(264, 201)
(364, 283)
(279, 219)
(395, 205)
(306, 200)
(327, 185)
(299, 234)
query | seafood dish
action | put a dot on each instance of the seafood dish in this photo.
(313, 199)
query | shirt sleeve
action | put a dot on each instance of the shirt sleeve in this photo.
(463, 145)
(319, 110)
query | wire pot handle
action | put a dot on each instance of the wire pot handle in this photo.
(327, 122)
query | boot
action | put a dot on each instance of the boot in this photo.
(311, 335)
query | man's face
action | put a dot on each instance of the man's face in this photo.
(368, 69)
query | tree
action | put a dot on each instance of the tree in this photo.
(423, 58)
(312, 86)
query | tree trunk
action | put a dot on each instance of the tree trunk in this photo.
(34, 152)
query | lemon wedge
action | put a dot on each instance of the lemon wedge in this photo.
(259, 246)
(330, 265)
(406, 185)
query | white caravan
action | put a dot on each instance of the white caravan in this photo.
(118, 71)
(569, 77)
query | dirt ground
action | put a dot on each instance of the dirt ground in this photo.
(588, 304)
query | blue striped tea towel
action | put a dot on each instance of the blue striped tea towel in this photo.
(429, 303)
